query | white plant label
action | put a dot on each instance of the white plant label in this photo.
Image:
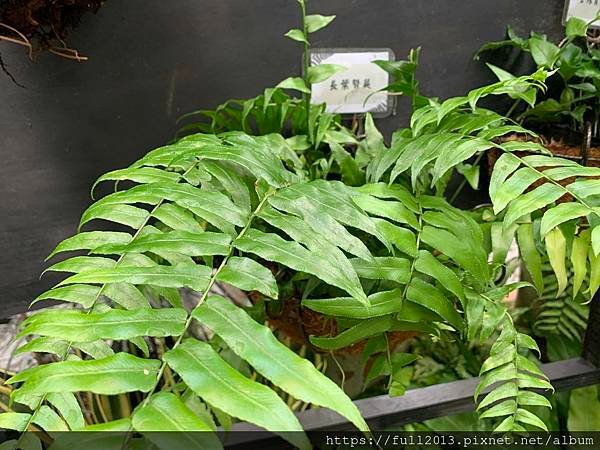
(356, 89)
(583, 9)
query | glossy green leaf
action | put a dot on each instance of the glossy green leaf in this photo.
(316, 22)
(532, 201)
(503, 408)
(383, 268)
(322, 72)
(124, 214)
(80, 326)
(513, 187)
(296, 35)
(530, 255)
(138, 175)
(380, 304)
(165, 412)
(556, 246)
(248, 275)
(273, 248)
(48, 420)
(81, 264)
(184, 242)
(596, 240)
(110, 376)
(428, 264)
(402, 238)
(579, 253)
(294, 83)
(388, 209)
(504, 391)
(321, 222)
(362, 330)
(68, 407)
(257, 345)
(177, 218)
(90, 240)
(560, 214)
(529, 418)
(194, 277)
(219, 384)
(82, 294)
(126, 295)
(428, 296)
(576, 27)
(14, 421)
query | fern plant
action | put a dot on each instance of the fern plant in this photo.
(309, 126)
(575, 63)
(192, 236)
(525, 186)
(372, 245)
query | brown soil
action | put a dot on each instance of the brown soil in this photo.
(298, 323)
(43, 24)
(49, 20)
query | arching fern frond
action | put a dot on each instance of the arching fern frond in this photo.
(186, 235)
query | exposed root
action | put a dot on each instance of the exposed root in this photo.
(40, 25)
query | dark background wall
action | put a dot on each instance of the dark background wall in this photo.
(152, 60)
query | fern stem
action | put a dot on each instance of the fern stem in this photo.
(305, 66)
(388, 355)
(463, 183)
(340, 368)
(101, 408)
(513, 107)
(203, 298)
(414, 261)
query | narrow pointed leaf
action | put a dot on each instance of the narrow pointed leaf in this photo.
(362, 330)
(90, 240)
(556, 246)
(80, 326)
(428, 264)
(273, 248)
(560, 214)
(248, 275)
(177, 218)
(428, 296)
(294, 83)
(530, 255)
(257, 345)
(82, 294)
(316, 22)
(110, 376)
(68, 407)
(165, 412)
(380, 304)
(322, 72)
(183, 242)
(219, 384)
(194, 277)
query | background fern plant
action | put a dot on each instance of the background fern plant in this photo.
(525, 188)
